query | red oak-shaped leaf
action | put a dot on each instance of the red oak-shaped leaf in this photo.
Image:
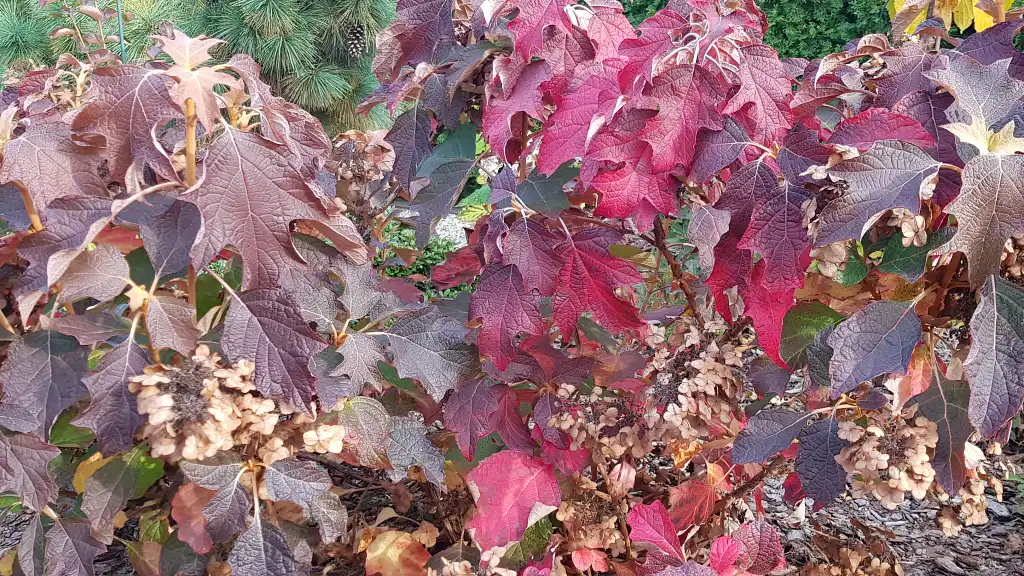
(71, 548)
(471, 411)
(946, 402)
(929, 109)
(587, 283)
(725, 552)
(459, 267)
(571, 58)
(821, 476)
(580, 113)
(752, 183)
(992, 44)
(534, 250)
(608, 28)
(194, 81)
(430, 347)
(23, 469)
(227, 511)
(731, 267)
(716, 150)
(509, 424)
(692, 502)
(514, 490)
(126, 103)
(264, 326)
(658, 35)
(995, 364)
(767, 306)
(762, 547)
(765, 86)
(989, 209)
(649, 523)
(801, 150)
(633, 190)
(411, 38)
(50, 165)
(767, 433)
(688, 98)
(874, 124)
(878, 339)
(887, 176)
(251, 192)
(566, 461)
(812, 95)
(365, 294)
(904, 73)
(506, 310)
(503, 115)
(42, 376)
(533, 18)
(777, 234)
(111, 413)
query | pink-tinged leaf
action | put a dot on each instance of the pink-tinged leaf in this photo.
(687, 98)
(716, 150)
(904, 73)
(877, 340)
(590, 559)
(506, 310)
(460, 267)
(566, 460)
(264, 326)
(509, 424)
(608, 28)
(692, 502)
(777, 234)
(187, 511)
(533, 18)
(503, 115)
(587, 283)
(633, 190)
(765, 86)
(470, 411)
(658, 35)
(126, 104)
(650, 523)
(767, 306)
(874, 124)
(411, 38)
(250, 193)
(725, 551)
(49, 164)
(731, 267)
(801, 150)
(887, 176)
(567, 133)
(571, 58)
(535, 252)
(792, 489)
(995, 364)
(195, 82)
(812, 96)
(514, 490)
(762, 547)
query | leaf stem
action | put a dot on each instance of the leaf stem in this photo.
(190, 141)
(677, 272)
(33, 216)
(952, 167)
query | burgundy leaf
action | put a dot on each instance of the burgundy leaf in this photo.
(874, 124)
(171, 324)
(71, 548)
(470, 411)
(904, 73)
(877, 340)
(820, 474)
(410, 446)
(459, 267)
(23, 469)
(777, 234)
(112, 413)
(509, 424)
(767, 433)
(766, 88)
(411, 38)
(688, 97)
(513, 489)
(42, 376)
(506, 310)
(717, 149)
(946, 402)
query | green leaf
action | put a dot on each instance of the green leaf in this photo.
(535, 540)
(154, 527)
(909, 261)
(479, 197)
(66, 435)
(390, 374)
(207, 294)
(140, 269)
(801, 323)
(486, 446)
(149, 469)
(855, 270)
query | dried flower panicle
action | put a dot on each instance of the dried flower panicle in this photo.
(889, 457)
(203, 407)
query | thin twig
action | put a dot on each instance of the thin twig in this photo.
(677, 272)
(947, 276)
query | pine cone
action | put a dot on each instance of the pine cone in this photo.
(355, 40)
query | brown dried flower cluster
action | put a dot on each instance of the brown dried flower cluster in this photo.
(889, 456)
(203, 407)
